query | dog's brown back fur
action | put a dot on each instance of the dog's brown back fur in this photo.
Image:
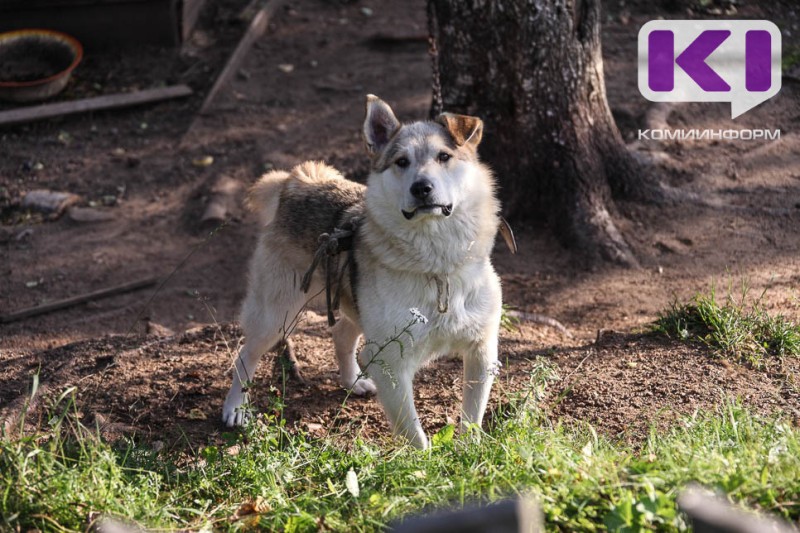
(314, 199)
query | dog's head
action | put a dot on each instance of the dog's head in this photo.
(425, 170)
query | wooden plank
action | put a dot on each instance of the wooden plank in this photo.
(191, 12)
(77, 300)
(99, 103)
(257, 28)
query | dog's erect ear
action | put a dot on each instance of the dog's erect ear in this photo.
(379, 125)
(465, 130)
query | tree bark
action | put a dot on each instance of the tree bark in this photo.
(533, 71)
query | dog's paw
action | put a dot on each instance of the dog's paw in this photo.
(235, 412)
(362, 387)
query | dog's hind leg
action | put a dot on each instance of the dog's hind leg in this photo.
(287, 361)
(266, 320)
(345, 340)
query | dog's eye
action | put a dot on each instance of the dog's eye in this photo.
(402, 162)
(443, 157)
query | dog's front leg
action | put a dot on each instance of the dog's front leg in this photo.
(480, 366)
(393, 374)
(397, 398)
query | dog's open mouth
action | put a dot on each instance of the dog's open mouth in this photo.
(445, 210)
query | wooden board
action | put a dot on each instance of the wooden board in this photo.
(99, 103)
(256, 29)
(191, 12)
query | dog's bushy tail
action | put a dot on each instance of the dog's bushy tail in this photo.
(265, 196)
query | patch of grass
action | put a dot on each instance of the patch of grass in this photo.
(740, 329)
(791, 57)
(584, 481)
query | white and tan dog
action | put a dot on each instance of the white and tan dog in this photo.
(428, 220)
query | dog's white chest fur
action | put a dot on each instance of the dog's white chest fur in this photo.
(387, 296)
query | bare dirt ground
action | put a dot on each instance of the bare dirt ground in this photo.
(300, 96)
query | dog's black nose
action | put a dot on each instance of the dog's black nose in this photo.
(421, 189)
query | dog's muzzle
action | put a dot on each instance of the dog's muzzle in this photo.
(445, 210)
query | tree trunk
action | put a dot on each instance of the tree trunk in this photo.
(533, 71)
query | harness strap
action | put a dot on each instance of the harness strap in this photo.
(330, 246)
(342, 239)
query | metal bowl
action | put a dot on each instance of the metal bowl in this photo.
(36, 64)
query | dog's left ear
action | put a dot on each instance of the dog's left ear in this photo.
(464, 129)
(380, 124)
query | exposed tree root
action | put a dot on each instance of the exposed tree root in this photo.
(609, 241)
(589, 228)
(544, 320)
(657, 115)
(656, 192)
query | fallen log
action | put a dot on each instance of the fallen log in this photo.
(222, 201)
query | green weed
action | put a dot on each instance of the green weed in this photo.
(582, 480)
(737, 328)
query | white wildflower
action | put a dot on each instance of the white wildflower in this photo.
(351, 482)
(418, 316)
